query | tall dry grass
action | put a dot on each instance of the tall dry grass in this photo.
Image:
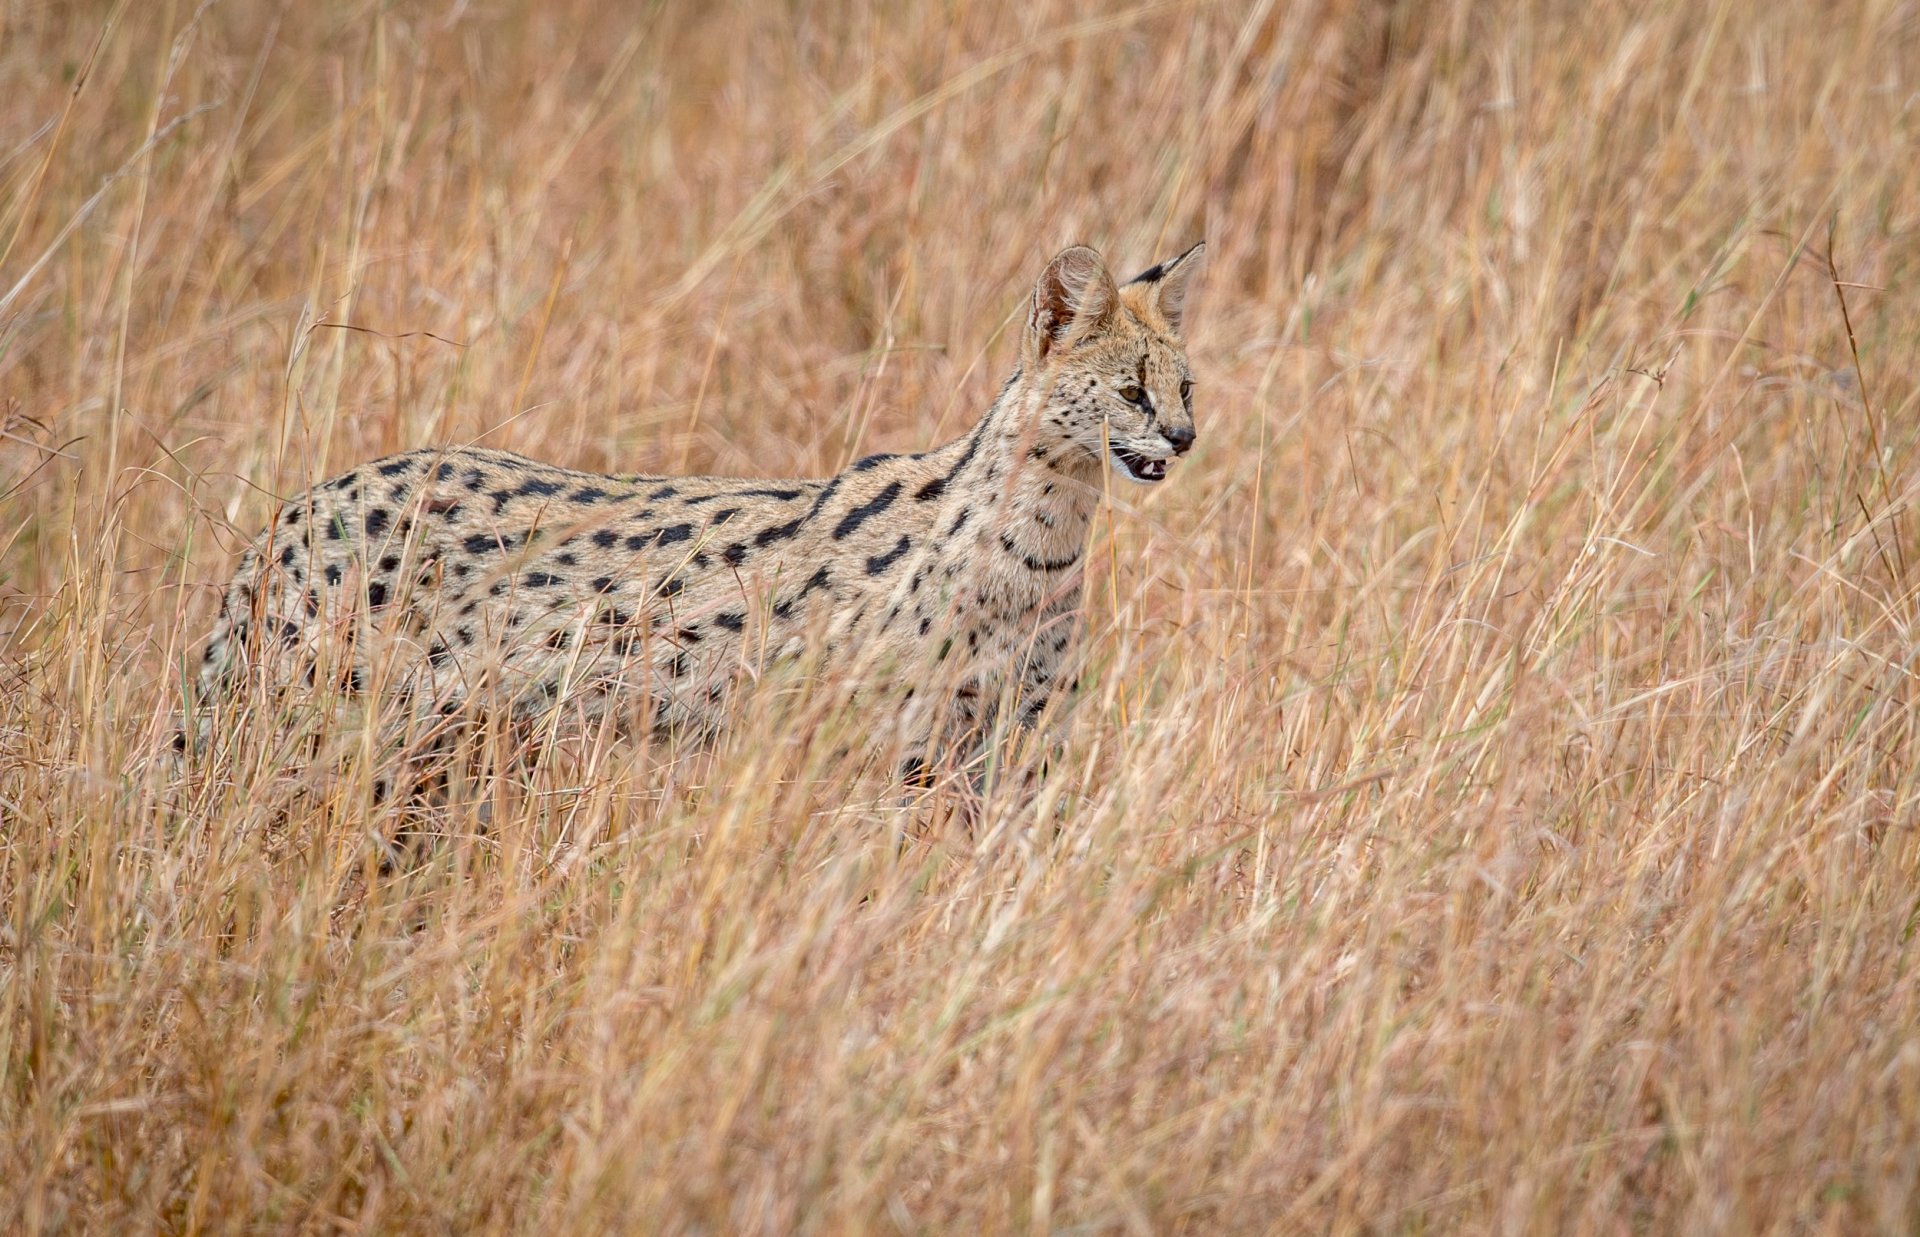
(1494, 808)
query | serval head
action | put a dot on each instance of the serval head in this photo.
(1111, 363)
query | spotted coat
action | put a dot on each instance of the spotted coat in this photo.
(444, 571)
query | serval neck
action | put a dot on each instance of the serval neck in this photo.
(1004, 482)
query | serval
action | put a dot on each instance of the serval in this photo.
(954, 574)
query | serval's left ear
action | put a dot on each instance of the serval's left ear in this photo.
(1073, 300)
(1171, 282)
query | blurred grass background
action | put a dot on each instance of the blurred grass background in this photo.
(1495, 807)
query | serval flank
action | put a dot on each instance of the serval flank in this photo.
(955, 574)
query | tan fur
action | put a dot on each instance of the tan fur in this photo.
(456, 569)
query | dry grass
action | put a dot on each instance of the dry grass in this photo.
(1496, 806)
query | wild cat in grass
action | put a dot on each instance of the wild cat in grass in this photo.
(954, 573)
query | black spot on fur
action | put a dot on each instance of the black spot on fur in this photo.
(878, 563)
(389, 562)
(562, 639)
(865, 511)
(588, 495)
(735, 553)
(437, 653)
(1037, 564)
(777, 495)
(376, 594)
(603, 584)
(482, 543)
(677, 533)
(818, 580)
(938, 486)
(672, 586)
(539, 487)
(924, 624)
(286, 555)
(872, 461)
(474, 479)
(690, 634)
(960, 521)
(333, 573)
(665, 491)
(731, 620)
(289, 632)
(724, 514)
(393, 468)
(292, 517)
(541, 579)
(605, 538)
(826, 492)
(444, 472)
(778, 532)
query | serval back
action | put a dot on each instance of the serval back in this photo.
(953, 574)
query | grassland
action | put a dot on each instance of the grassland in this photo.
(1495, 808)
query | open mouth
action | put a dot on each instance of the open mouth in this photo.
(1139, 467)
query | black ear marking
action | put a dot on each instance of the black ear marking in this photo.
(1171, 280)
(1160, 270)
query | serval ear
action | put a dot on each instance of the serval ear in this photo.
(1170, 281)
(1073, 299)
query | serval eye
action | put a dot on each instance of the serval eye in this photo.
(1133, 395)
(1186, 388)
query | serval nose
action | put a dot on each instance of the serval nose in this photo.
(1180, 437)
